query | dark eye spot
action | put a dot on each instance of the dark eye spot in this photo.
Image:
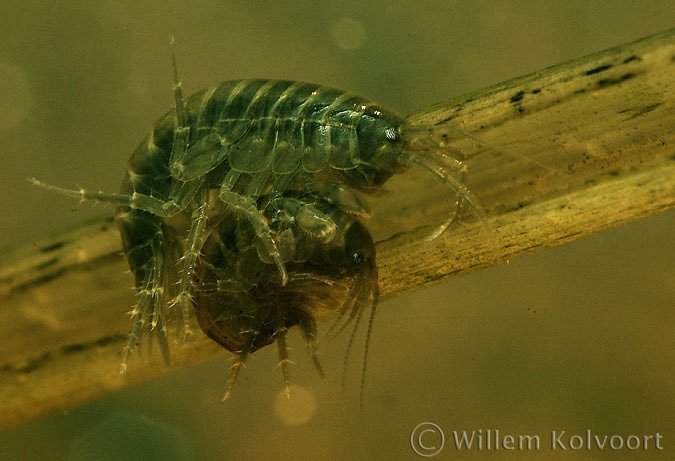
(391, 134)
(357, 257)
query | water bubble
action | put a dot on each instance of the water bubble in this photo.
(348, 33)
(297, 410)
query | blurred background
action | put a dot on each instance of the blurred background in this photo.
(576, 338)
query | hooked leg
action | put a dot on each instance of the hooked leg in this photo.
(259, 223)
(345, 198)
(249, 209)
(310, 220)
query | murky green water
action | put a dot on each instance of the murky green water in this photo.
(575, 339)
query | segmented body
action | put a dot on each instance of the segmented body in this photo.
(239, 301)
(234, 150)
(244, 139)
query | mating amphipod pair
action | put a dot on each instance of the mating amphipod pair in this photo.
(245, 203)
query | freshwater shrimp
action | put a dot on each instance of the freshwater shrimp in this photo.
(240, 141)
(240, 302)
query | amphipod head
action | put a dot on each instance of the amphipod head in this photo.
(380, 145)
(388, 145)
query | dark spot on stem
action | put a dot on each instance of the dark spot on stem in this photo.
(52, 247)
(517, 97)
(613, 81)
(599, 69)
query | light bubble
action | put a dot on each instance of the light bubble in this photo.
(297, 410)
(348, 33)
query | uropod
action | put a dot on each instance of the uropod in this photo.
(235, 150)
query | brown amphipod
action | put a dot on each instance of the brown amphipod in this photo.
(240, 300)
